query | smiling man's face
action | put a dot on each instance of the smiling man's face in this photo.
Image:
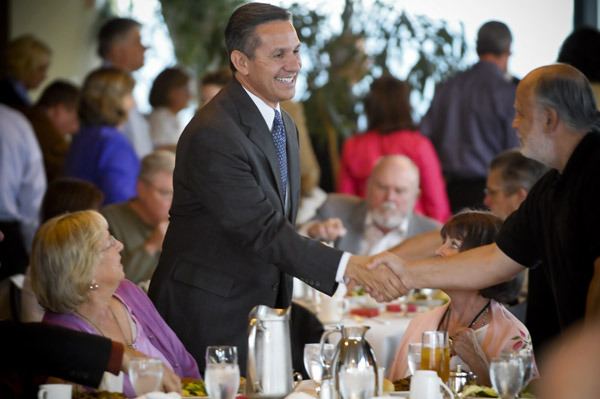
(272, 70)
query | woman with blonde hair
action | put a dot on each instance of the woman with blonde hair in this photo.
(100, 153)
(26, 63)
(77, 276)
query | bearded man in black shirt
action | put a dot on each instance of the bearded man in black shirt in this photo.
(558, 124)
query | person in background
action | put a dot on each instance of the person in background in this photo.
(120, 46)
(212, 83)
(55, 119)
(581, 49)
(469, 119)
(384, 219)
(391, 131)
(170, 93)
(140, 223)
(99, 152)
(22, 186)
(26, 64)
(77, 276)
(479, 327)
(63, 195)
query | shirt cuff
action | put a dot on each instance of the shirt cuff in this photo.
(339, 276)
(116, 358)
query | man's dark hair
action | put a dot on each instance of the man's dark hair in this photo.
(113, 30)
(493, 37)
(59, 92)
(517, 171)
(164, 83)
(240, 30)
(581, 49)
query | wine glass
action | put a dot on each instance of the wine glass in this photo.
(414, 356)
(145, 374)
(506, 374)
(312, 360)
(356, 382)
(222, 374)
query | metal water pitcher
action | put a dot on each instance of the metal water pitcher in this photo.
(353, 351)
(269, 371)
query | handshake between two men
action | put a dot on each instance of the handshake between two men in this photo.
(380, 275)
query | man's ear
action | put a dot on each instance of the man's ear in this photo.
(239, 61)
(551, 119)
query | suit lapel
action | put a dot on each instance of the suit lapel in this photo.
(356, 228)
(258, 131)
(293, 157)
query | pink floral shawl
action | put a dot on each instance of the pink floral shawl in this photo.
(505, 333)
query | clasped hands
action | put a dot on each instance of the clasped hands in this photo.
(383, 276)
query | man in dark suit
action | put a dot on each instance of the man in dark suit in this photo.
(231, 242)
(382, 220)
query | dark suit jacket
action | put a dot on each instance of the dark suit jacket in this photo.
(229, 245)
(32, 351)
(10, 97)
(352, 211)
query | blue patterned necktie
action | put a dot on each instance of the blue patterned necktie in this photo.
(278, 133)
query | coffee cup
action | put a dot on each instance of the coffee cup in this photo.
(425, 384)
(55, 391)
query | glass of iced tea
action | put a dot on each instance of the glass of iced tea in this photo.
(435, 353)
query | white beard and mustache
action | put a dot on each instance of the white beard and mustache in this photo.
(388, 216)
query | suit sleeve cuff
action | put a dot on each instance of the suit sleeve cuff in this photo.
(116, 358)
(339, 276)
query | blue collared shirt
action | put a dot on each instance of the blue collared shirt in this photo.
(470, 120)
(22, 176)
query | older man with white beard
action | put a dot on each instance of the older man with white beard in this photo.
(384, 219)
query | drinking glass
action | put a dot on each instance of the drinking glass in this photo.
(435, 353)
(414, 356)
(356, 382)
(145, 374)
(312, 360)
(506, 374)
(222, 374)
(526, 356)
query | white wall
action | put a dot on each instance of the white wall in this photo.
(68, 27)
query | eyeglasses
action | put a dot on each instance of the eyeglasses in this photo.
(112, 242)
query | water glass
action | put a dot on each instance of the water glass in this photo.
(414, 357)
(312, 360)
(526, 356)
(435, 353)
(506, 374)
(222, 374)
(145, 374)
(356, 382)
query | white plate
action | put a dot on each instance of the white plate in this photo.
(401, 394)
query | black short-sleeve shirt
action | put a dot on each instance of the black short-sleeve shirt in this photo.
(558, 225)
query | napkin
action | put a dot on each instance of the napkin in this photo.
(160, 395)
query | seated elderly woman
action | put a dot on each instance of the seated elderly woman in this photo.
(479, 326)
(78, 278)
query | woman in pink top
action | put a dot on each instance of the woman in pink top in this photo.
(391, 131)
(480, 328)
